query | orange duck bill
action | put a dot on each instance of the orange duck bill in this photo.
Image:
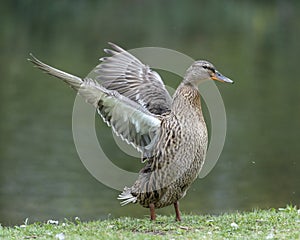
(217, 76)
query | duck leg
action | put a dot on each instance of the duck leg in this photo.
(152, 212)
(176, 206)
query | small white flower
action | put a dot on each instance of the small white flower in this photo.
(234, 225)
(270, 235)
(60, 236)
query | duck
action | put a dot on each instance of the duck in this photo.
(170, 132)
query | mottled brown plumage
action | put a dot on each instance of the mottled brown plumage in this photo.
(179, 152)
(170, 132)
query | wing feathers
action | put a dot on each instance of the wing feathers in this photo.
(71, 80)
(129, 120)
(127, 75)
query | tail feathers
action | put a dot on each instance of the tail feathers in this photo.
(127, 197)
(71, 80)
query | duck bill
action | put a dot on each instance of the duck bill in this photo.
(221, 78)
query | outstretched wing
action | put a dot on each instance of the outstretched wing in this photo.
(127, 75)
(133, 123)
(129, 120)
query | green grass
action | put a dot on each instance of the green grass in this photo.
(283, 223)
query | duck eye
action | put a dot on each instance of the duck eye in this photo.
(209, 68)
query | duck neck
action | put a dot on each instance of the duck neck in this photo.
(186, 99)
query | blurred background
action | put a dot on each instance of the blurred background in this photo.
(256, 43)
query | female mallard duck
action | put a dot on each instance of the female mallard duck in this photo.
(170, 132)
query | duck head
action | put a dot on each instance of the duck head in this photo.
(201, 71)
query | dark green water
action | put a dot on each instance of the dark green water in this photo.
(254, 43)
